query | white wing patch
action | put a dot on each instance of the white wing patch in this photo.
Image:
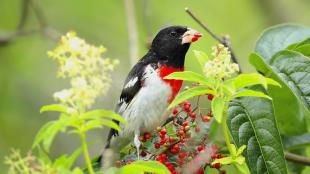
(131, 82)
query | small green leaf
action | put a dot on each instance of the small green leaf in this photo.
(101, 113)
(217, 106)
(246, 80)
(201, 57)
(250, 93)
(139, 167)
(241, 149)
(242, 168)
(192, 92)
(224, 161)
(190, 76)
(240, 160)
(92, 124)
(233, 150)
(54, 107)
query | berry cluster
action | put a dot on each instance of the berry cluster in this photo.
(170, 144)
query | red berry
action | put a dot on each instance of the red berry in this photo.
(200, 171)
(187, 103)
(187, 109)
(213, 156)
(163, 156)
(184, 124)
(180, 132)
(181, 155)
(210, 96)
(181, 162)
(176, 147)
(206, 118)
(143, 153)
(168, 163)
(147, 135)
(192, 115)
(200, 148)
(163, 132)
(157, 146)
(170, 168)
(163, 141)
(182, 140)
(219, 156)
(175, 111)
(210, 113)
(217, 165)
(173, 151)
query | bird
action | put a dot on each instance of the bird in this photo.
(146, 94)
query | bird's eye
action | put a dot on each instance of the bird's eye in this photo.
(173, 34)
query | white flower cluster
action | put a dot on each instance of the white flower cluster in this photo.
(221, 66)
(89, 72)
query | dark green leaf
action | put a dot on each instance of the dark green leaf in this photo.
(278, 38)
(296, 142)
(251, 122)
(293, 115)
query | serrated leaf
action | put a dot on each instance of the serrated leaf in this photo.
(250, 93)
(54, 107)
(217, 106)
(189, 93)
(139, 167)
(294, 114)
(251, 122)
(190, 76)
(201, 57)
(278, 38)
(101, 113)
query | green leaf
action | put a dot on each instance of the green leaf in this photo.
(302, 47)
(240, 150)
(190, 76)
(189, 93)
(294, 114)
(201, 57)
(246, 80)
(278, 38)
(296, 142)
(101, 113)
(250, 93)
(251, 123)
(139, 167)
(54, 107)
(217, 106)
(48, 132)
(224, 161)
(242, 168)
(92, 124)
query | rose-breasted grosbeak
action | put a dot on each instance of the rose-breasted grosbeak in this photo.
(146, 95)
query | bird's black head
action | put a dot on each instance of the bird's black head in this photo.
(171, 44)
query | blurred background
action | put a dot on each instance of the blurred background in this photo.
(29, 28)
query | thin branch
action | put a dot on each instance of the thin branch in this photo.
(297, 158)
(132, 31)
(224, 40)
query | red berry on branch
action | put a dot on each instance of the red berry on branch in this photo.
(157, 146)
(210, 96)
(173, 151)
(147, 135)
(181, 162)
(182, 140)
(170, 168)
(192, 115)
(181, 155)
(180, 132)
(200, 148)
(184, 124)
(219, 156)
(213, 156)
(217, 165)
(167, 163)
(163, 132)
(176, 147)
(175, 111)
(143, 153)
(206, 118)
(163, 156)
(200, 171)
(187, 103)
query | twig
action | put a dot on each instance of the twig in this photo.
(132, 31)
(224, 40)
(297, 158)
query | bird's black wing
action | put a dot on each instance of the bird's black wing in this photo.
(132, 85)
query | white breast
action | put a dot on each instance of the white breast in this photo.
(145, 111)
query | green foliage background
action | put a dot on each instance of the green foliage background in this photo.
(27, 76)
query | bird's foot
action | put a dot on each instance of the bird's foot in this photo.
(137, 144)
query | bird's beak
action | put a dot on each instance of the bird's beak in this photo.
(190, 36)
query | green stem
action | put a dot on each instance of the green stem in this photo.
(86, 153)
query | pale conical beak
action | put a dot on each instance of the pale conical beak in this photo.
(190, 36)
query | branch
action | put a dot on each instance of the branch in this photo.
(297, 158)
(132, 31)
(224, 40)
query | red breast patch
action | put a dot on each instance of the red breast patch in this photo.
(175, 85)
